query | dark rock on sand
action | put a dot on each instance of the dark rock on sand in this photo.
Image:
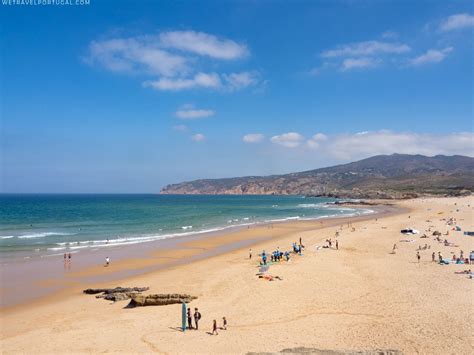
(93, 291)
(159, 299)
(304, 350)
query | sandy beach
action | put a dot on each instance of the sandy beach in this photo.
(361, 297)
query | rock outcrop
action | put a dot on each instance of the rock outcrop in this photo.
(106, 291)
(159, 299)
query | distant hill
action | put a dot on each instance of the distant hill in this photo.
(381, 176)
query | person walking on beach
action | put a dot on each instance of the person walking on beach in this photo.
(190, 319)
(214, 327)
(433, 256)
(250, 253)
(224, 323)
(418, 256)
(197, 317)
(337, 244)
(69, 257)
(107, 261)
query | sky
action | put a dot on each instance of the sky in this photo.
(128, 96)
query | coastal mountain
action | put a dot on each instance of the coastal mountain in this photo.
(381, 176)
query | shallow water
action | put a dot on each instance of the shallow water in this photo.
(42, 225)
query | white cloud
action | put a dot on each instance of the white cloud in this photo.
(359, 63)
(365, 144)
(253, 138)
(180, 127)
(172, 59)
(190, 113)
(365, 49)
(315, 140)
(140, 54)
(226, 82)
(455, 22)
(288, 140)
(203, 44)
(431, 56)
(198, 137)
(200, 80)
(237, 81)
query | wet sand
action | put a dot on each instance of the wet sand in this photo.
(360, 297)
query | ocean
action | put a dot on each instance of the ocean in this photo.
(51, 224)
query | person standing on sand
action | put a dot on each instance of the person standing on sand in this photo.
(69, 257)
(197, 317)
(433, 256)
(224, 323)
(250, 253)
(337, 244)
(107, 261)
(418, 256)
(190, 319)
(214, 327)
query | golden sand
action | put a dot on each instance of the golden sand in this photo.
(360, 297)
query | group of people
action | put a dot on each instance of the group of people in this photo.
(67, 257)
(330, 242)
(457, 260)
(197, 317)
(278, 255)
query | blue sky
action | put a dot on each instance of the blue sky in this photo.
(127, 96)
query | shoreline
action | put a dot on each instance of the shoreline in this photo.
(156, 256)
(360, 298)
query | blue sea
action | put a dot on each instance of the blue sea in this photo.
(55, 223)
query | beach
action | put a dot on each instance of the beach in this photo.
(361, 297)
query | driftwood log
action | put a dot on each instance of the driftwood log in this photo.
(107, 291)
(159, 299)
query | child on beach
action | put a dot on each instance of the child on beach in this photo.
(224, 323)
(214, 327)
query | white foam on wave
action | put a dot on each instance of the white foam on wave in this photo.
(55, 249)
(42, 235)
(187, 227)
(7, 236)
